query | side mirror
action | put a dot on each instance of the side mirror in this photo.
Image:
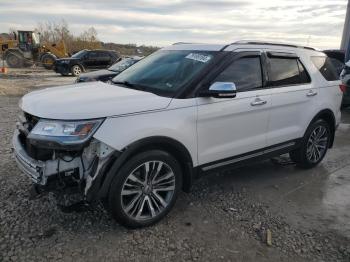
(220, 90)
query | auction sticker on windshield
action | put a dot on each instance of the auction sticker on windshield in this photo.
(198, 57)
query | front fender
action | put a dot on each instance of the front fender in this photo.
(178, 124)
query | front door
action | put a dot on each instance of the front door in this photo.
(235, 126)
(91, 60)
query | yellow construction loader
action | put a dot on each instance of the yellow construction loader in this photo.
(24, 48)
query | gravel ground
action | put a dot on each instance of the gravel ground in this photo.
(226, 217)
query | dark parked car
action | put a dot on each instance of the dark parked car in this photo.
(337, 57)
(345, 77)
(84, 60)
(107, 74)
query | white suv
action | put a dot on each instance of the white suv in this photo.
(182, 111)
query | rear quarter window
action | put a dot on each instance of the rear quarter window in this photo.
(326, 67)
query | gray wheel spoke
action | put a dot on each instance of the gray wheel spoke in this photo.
(131, 192)
(133, 202)
(133, 178)
(166, 176)
(150, 206)
(159, 198)
(165, 183)
(317, 152)
(140, 209)
(323, 140)
(153, 199)
(321, 146)
(169, 188)
(147, 171)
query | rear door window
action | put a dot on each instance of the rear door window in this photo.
(326, 68)
(104, 56)
(93, 55)
(287, 71)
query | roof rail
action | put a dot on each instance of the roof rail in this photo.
(254, 42)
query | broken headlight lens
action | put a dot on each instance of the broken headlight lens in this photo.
(65, 132)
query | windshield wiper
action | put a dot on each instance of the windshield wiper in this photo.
(127, 84)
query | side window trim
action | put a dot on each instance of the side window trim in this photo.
(300, 64)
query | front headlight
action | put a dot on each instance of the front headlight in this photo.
(65, 61)
(64, 132)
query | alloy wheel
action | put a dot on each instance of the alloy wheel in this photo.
(148, 190)
(76, 70)
(317, 144)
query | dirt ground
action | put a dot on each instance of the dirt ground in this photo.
(226, 217)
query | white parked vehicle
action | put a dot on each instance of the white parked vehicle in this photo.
(182, 111)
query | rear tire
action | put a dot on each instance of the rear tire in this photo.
(47, 60)
(76, 70)
(145, 189)
(14, 60)
(314, 145)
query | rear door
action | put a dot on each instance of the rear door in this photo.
(293, 98)
(104, 59)
(91, 60)
(229, 127)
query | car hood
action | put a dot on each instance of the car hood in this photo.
(90, 100)
(66, 58)
(97, 74)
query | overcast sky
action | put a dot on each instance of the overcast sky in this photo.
(161, 22)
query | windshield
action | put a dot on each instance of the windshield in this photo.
(80, 54)
(165, 71)
(122, 65)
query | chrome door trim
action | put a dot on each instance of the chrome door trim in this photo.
(263, 152)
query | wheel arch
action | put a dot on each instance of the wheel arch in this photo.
(79, 64)
(167, 144)
(328, 116)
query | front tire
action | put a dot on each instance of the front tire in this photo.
(145, 189)
(314, 145)
(76, 70)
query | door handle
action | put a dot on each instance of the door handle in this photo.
(311, 93)
(258, 102)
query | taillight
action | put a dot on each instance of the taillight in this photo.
(342, 88)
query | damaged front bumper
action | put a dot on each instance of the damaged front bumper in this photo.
(80, 171)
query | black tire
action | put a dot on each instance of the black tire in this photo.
(301, 155)
(14, 60)
(76, 70)
(116, 202)
(47, 60)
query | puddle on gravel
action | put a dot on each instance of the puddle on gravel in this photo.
(336, 201)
